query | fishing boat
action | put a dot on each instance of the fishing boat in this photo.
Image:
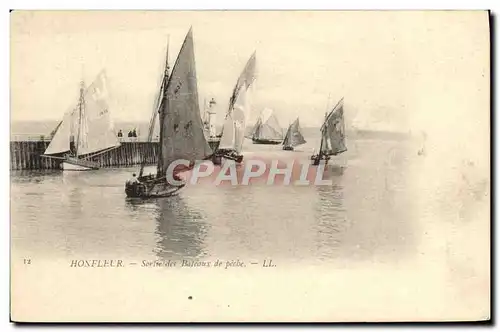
(293, 136)
(332, 135)
(267, 130)
(209, 124)
(85, 131)
(233, 129)
(181, 128)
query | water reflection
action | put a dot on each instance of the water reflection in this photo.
(33, 176)
(330, 212)
(180, 229)
(366, 212)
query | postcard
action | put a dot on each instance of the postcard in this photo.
(250, 166)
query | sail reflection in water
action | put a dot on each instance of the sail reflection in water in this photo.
(330, 212)
(180, 230)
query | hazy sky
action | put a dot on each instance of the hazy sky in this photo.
(396, 70)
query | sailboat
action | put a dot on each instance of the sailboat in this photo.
(267, 130)
(293, 136)
(332, 135)
(181, 128)
(233, 130)
(85, 131)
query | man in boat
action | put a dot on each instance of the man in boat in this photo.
(133, 180)
(120, 133)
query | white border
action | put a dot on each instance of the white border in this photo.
(184, 4)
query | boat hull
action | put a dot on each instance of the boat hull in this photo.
(288, 148)
(152, 188)
(73, 164)
(214, 143)
(226, 154)
(316, 159)
(266, 141)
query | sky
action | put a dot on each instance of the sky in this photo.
(396, 70)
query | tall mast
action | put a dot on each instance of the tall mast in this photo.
(81, 107)
(343, 121)
(162, 110)
(324, 126)
(205, 113)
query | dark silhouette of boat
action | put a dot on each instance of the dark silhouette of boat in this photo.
(332, 135)
(293, 136)
(181, 128)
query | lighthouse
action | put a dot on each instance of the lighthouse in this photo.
(211, 113)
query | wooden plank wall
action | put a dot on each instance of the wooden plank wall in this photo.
(27, 155)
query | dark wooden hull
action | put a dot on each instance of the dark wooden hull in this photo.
(152, 187)
(266, 141)
(316, 159)
(288, 148)
(214, 143)
(227, 154)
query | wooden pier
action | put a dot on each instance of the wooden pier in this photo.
(27, 154)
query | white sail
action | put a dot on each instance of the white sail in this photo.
(233, 131)
(94, 131)
(61, 139)
(227, 140)
(97, 129)
(234, 127)
(267, 126)
(266, 114)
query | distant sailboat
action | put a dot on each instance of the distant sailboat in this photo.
(267, 130)
(85, 131)
(293, 136)
(332, 135)
(181, 128)
(233, 130)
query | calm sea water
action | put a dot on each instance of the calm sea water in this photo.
(364, 215)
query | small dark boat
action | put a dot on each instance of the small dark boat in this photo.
(266, 141)
(152, 187)
(332, 135)
(293, 136)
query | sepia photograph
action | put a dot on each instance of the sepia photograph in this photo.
(249, 166)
